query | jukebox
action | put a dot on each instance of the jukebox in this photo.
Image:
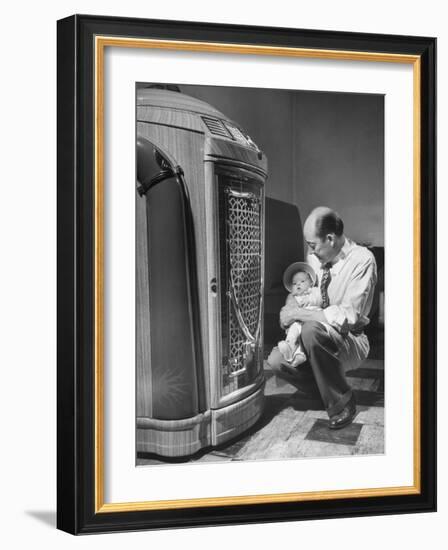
(199, 275)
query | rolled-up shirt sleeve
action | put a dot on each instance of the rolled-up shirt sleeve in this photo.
(352, 311)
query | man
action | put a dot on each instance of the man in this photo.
(333, 337)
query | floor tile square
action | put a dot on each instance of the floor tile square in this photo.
(317, 414)
(371, 415)
(345, 436)
(289, 448)
(212, 457)
(314, 449)
(279, 428)
(275, 385)
(371, 440)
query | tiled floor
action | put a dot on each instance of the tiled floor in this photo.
(293, 427)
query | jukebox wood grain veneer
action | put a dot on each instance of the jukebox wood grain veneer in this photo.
(199, 275)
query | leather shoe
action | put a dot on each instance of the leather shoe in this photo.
(344, 417)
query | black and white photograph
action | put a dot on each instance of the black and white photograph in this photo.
(260, 289)
(222, 286)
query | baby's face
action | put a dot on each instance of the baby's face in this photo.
(301, 283)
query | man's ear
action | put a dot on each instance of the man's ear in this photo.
(331, 239)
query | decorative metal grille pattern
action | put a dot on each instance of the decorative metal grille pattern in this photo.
(244, 238)
(245, 262)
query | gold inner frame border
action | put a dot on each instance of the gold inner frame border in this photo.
(100, 43)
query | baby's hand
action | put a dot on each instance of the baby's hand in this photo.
(303, 300)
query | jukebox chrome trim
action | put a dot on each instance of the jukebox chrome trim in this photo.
(220, 297)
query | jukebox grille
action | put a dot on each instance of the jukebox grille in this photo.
(241, 265)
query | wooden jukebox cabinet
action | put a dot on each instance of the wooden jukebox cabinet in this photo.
(199, 280)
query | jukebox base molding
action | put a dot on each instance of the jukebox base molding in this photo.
(173, 438)
(234, 419)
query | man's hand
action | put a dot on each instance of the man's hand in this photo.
(291, 312)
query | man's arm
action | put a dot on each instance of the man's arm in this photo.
(291, 312)
(357, 300)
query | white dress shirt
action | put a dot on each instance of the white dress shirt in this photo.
(351, 289)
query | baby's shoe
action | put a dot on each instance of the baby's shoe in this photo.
(298, 358)
(285, 350)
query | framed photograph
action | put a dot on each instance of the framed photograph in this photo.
(246, 274)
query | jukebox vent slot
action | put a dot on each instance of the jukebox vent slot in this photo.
(216, 127)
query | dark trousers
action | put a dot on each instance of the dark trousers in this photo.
(323, 369)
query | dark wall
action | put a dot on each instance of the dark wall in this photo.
(339, 159)
(323, 149)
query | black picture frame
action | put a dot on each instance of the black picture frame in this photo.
(77, 510)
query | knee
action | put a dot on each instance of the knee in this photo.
(312, 331)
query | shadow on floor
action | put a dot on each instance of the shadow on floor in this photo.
(48, 517)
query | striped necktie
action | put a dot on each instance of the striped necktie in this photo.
(324, 282)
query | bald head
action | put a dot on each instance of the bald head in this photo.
(324, 221)
(324, 233)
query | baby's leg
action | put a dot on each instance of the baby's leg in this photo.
(288, 346)
(293, 334)
(293, 339)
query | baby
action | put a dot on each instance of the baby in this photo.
(299, 279)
